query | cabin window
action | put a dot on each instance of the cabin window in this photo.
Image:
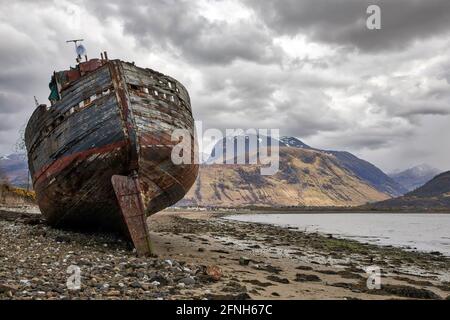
(156, 93)
(134, 87)
(165, 96)
(59, 120)
(145, 90)
(169, 84)
(172, 98)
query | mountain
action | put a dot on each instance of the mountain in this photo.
(415, 177)
(14, 168)
(306, 177)
(251, 144)
(434, 195)
(370, 173)
(294, 142)
(359, 167)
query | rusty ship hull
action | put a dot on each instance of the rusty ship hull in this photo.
(113, 119)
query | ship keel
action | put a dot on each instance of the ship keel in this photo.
(128, 193)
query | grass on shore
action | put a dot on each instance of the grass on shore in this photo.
(8, 190)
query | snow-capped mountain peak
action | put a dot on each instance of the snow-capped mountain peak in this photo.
(294, 142)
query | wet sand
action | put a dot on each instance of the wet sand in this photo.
(201, 256)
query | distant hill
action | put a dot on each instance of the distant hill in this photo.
(14, 168)
(306, 177)
(434, 195)
(438, 186)
(369, 173)
(361, 168)
(415, 177)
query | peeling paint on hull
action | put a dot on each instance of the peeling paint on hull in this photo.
(116, 120)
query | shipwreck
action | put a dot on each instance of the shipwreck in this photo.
(100, 154)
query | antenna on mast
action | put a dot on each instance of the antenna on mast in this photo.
(79, 49)
(36, 101)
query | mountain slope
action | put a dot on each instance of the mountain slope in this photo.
(369, 173)
(415, 177)
(15, 169)
(361, 168)
(306, 178)
(437, 187)
(434, 195)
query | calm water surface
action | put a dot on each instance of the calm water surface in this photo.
(422, 232)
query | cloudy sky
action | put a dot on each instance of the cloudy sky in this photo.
(308, 67)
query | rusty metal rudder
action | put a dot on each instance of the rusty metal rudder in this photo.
(130, 201)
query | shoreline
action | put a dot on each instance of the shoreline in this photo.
(200, 256)
(361, 239)
(305, 210)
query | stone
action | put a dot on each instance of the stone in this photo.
(278, 279)
(306, 277)
(214, 272)
(244, 261)
(113, 293)
(160, 279)
(24, 282)
(135, 284)
(8, 288)
(188, 281)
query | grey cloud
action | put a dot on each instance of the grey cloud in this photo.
(408, 107)
(343, 22)
(11, 103)
(176, 26)
(26, 63)
(309, 114)
(8, 126)
(237, 75)
(357, 142)
(270, 99)
(386, 134)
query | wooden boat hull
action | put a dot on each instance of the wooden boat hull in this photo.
(116, 120)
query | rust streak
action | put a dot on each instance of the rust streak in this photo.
(62, 163)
